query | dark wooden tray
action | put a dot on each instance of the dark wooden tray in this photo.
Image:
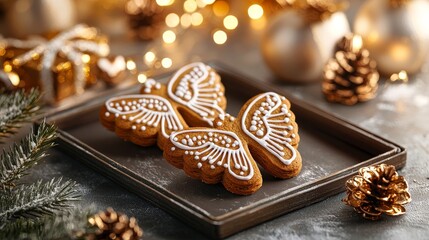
(332, 150)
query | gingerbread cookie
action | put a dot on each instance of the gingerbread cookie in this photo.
(194, 96)
(264, 132)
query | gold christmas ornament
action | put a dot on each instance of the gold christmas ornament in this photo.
(113, 225)
(396, 33)
(351, 75)
(377, 190)
(145, 18)
(36, 17)
(296, 46)
(61, 66)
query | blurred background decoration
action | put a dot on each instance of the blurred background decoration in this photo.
(300, 39)
(396, 33)
(297, 37)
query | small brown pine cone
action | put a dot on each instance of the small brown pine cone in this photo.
(145, 18)
(112, 225)
(377, 190)
(351, 75)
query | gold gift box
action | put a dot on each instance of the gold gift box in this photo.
(62, 69)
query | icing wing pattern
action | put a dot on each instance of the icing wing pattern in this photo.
(270, 125)
(145, 111)
(197, 87)
(215, 149)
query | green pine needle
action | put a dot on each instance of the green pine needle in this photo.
(15, 109)
(37, 200)
(66, 225)
(21, 157)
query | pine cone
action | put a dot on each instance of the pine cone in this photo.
(351, 76)
(145, 18)
(112, 225)
(376, 190)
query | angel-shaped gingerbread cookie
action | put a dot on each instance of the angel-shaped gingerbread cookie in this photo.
(194, 96)
(264, 132)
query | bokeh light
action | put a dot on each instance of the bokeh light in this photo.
(230, 22)
(172, 20)
(164, 2)
(131, 65)
(220, 37)
(220, 8)
(166, 62)
(169, 36)
(190, 6)
(255, 11)
(197, 19)
(142, 78)
(186, 20)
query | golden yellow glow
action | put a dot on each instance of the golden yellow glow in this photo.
(141, 78)
(197, 19)
(149, 57)
(208, 1)
(86, 58)
(131, 65)
(356, 43)
(190, 6)
(164, 2)
(14, 78)
(166, 62)
(259, 24)
(230, 22)
(186, 20)
(220, 37)
(172, 20)
(255, 11)
(401, 76)
(7, 67)
(169, 36)
(400, 51)
(220, 8)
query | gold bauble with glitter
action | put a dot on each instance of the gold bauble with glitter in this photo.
(297, 44)
(396, 33)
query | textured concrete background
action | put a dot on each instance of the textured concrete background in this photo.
(400, 113)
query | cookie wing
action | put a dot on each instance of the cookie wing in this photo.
(143, 113)
(198, 88)
(269, 122)
(215, 148)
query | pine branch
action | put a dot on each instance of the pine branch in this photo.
(37, 200)
(15, 109)
(15, 162)
(66, 225)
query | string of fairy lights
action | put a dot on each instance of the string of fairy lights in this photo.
(191, 14)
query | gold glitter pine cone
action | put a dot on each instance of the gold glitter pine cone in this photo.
(377, 190)
(351, 75)
(112, 225)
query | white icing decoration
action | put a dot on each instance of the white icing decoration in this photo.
(216, 153)
(197, 90)
(71, 44)
(114, 68)
(148, 111)
(274, 138)
(107, 114)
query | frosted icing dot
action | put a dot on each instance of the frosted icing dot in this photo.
(212, 167)
(219, 163)
(199, 165)
(124, 117)
(253, 128)
(186, 152)
(184, 141)
(219, 123)
(290, 127)
(175, 139)
(225, 165)
(173, 148)
(241, 173)
(259, 133)
(107, 114)
(116, 115)
(237, 166)
(196, 157)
